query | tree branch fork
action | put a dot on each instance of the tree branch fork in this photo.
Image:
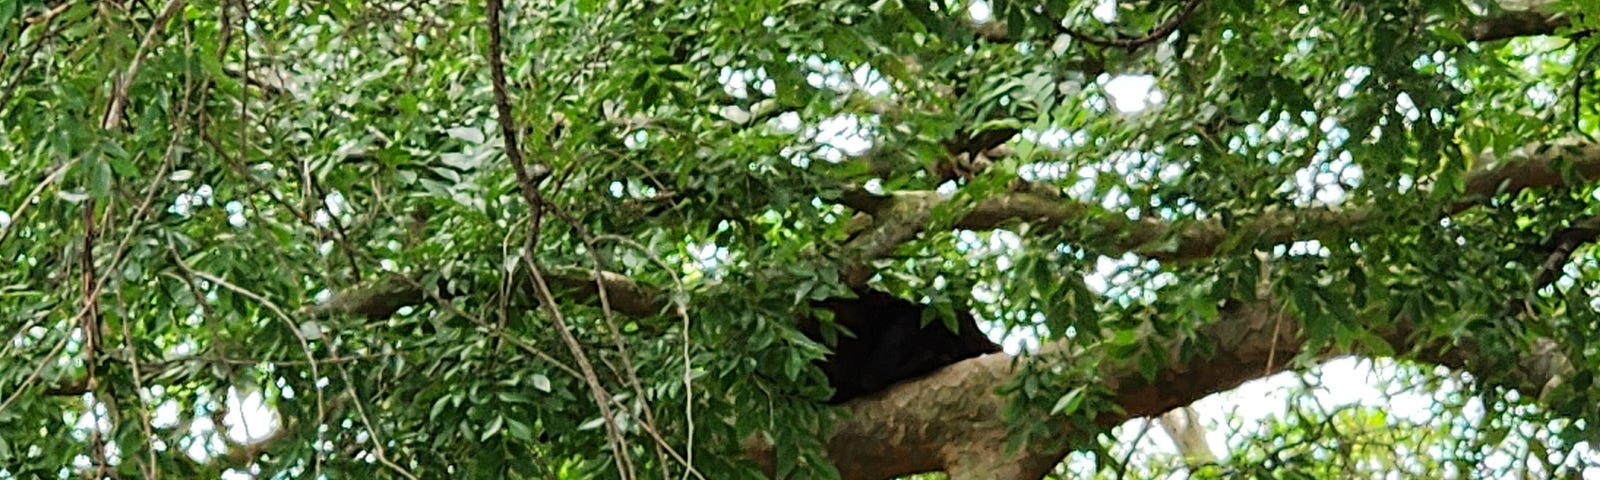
(937, 422)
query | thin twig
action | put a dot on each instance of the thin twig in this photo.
(1122, 468)
(631, 376)
(525, 346)
(154, 470)
(250, 362)
(682, 310)
(377, 441)
(119, 93)
(46, 19)
(601, 396)
(305, 345)
(33, 196)
(525, 182)
(33, 376)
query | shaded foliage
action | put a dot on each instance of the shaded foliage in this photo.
(185, 183)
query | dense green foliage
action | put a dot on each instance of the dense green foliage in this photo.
(183, 184)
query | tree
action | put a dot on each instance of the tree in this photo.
(572, 239)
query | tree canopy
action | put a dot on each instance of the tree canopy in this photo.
(441, 239)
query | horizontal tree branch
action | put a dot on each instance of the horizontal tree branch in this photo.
(1489, 28)
(944, 421)
(1513, 24)
(901, 216)
(1538, 165)
(387, 295)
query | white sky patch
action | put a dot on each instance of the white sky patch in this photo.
(93, 420)
(1285, 128)
(1301, 248)
(202, 440)
(843, 136)
(1541, 95)
(1326, 183)
(1105, 11)
(248, 417)
(874, 186)
(1334, 135)
(1133, 93)
(1044, 171)
(183, 348)
(236, 474)
(1129, 279)
(336, 203)
(981, 12)
(709, 259)
(185, 203)
(166, 415)
(1353, 77)
(235, 211)
(1057, 137)
(787, 122)
(870, 81)
(638, 140)
(1405, 106)
(733, 82)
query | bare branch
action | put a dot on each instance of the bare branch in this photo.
(1538, 165)
(385, 296)
(1512, 25)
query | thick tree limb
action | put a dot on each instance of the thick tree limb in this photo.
(944, 421)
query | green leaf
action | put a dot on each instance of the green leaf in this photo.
(493, 429)
(438, 407)
(1068, 404)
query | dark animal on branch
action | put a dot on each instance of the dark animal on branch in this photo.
(890, 343)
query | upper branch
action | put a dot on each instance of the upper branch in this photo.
(1538, 165)
(1512, 25)
(382, 298)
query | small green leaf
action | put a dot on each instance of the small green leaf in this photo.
(592, 424)
(494, 428)
(438, 407)
(1069, 403)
